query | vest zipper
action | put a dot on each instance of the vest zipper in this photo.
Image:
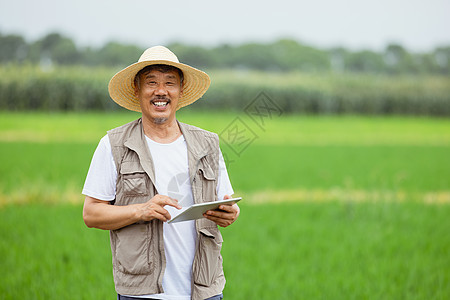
(197, 245)
(162, 258)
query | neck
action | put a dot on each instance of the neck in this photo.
(164, 133)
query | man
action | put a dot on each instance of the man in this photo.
(144, 171)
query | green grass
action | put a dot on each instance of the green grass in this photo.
(407, 155)
(48, 253)
(282, 251)
(300, 247)
(393, 168)
(57, 167)
(283, 130)
(339, 251)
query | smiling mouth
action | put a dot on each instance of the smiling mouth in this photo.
(160, 103)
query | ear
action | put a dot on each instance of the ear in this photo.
(182, 89)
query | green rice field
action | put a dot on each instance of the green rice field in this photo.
(335, 207)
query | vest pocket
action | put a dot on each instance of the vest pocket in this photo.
(132, 250)
(208, 183)
(208, 264)
(134, 179)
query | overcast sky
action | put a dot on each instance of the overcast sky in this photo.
(419, 25)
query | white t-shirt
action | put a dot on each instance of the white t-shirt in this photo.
(172, 179)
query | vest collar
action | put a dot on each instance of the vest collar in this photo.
(136, 142)
(195, 147)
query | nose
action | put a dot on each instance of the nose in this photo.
(161, 90)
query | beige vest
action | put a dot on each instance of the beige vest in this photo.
(138, 249)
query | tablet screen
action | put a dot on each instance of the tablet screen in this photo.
(196, 211)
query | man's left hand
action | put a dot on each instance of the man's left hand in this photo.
(225, 215)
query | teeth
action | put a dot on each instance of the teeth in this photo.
(160, 103)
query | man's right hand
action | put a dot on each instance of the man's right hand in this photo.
(154, 208)
(100, 214)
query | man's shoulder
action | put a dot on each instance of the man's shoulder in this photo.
(197, 130)
(200, 140)
(119, 135)
(125, 127)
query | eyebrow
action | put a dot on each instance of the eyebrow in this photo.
(150, 76)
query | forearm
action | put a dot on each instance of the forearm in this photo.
(102, 215)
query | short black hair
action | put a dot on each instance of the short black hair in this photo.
(158, 67)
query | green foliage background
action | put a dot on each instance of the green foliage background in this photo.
(346, 194)
(54, 74)
(281, 55)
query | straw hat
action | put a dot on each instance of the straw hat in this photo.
(121, 86)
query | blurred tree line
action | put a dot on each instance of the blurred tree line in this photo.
(281, 55)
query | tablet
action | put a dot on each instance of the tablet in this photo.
(196, 211)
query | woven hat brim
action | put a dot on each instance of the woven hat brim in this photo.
(121, 85)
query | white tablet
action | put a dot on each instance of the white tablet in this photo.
(196, 211)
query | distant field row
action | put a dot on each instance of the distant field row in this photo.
(81, 89)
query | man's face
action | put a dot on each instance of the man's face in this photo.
(158, 94)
